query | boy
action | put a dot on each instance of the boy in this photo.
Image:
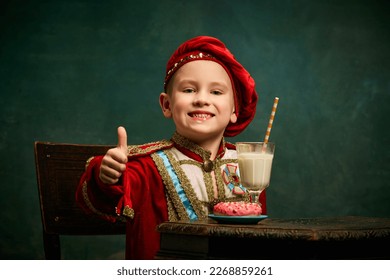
(209, 95)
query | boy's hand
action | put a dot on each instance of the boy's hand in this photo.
(114, 161)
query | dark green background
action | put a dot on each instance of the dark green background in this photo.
(72, 71)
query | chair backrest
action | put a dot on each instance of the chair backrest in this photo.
(59, 167)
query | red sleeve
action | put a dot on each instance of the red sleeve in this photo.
(94, 196)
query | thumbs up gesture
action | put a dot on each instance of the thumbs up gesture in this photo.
(114, 161)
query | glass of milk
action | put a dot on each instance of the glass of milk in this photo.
(255, 164)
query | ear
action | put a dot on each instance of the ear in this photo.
(165, 104)
(233, 117)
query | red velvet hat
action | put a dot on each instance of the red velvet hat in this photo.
(209, 48)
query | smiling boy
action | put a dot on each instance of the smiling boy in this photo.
(209, 96)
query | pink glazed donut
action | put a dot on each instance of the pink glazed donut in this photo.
(239, 208)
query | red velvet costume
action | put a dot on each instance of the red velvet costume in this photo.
(143, 195)
(173, 180)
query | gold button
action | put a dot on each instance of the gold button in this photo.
(208, 165)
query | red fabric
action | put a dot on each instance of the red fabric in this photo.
(143, 191)
(150, 207)
(244, 86)
(99, 195)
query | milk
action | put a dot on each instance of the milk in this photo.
(255, 169)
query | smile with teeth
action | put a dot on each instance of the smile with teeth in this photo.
(200, 116)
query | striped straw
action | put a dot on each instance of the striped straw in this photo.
(270, 122)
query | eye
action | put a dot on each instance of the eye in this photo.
(188, 90)
(216, 92)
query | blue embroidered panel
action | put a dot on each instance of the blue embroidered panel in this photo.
(179, 189)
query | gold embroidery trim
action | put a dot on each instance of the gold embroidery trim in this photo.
(146, 149)
(88, 162)
(172, 215)
(128, 212)
(187, 187)
(219, 180)
(218, 163)
(184, 142)
(206, 177)
(176, 207)
(91, 207)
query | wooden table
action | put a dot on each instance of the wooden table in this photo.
(306, 238)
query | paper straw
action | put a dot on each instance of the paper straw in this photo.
(270, 122)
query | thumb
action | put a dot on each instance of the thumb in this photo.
(122, 139)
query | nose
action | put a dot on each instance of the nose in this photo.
(201, 98)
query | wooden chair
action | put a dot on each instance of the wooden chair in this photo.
(59, 167)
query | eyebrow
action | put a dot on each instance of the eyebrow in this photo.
(212, 84)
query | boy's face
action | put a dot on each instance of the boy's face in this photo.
(200, 100)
